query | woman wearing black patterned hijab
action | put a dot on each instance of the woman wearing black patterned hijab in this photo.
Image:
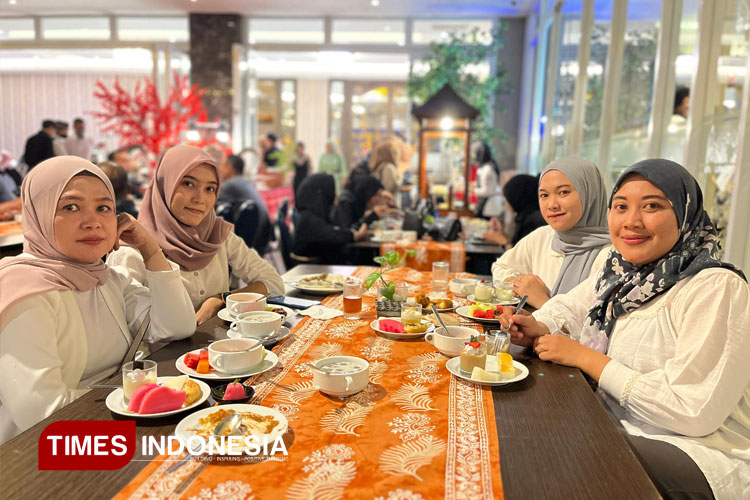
(664, 331)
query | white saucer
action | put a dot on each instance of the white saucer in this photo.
(396, 336)
(116, 402)
(280, 335)
(228, 317)
(495, 301)
(521, 371)
(268, 362)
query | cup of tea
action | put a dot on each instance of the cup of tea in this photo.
(238, 303)
(257, 323)
(341, 375)
(235, 356)
(352, 297)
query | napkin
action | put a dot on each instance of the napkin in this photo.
(321, 312)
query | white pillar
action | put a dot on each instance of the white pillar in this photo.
(527, 84)
(312, 117)
(550, 82)
(575, 138)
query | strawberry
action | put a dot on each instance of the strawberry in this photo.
(499, 308)
(473, 344)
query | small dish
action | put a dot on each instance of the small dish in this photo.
(522, 372)
(277, 337)
(495, 301)
(270, 360)
(391, 335)
(116, 402)
(218, 394)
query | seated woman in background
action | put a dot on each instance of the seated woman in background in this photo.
(362, 202)
(521, 196)
(178, 209)
(382, 164)
(555, 258)
(664, 331)
(315, 236)
(119, 179)
(66, 319)
(487, 184)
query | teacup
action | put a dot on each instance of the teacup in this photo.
(257, 323)
(451, 343)
(463, 286)
(341, 375)
(235, 356)
(238, 303)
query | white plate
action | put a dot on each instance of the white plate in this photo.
(116, 402)
(391, 335)
(465, 312)
(495, 301)
(302, 287)
(191, 421)
(280, 335)
(227, 316)
(521, 371)
(268, 362)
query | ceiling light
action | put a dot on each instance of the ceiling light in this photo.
(375, 3)
(446, 123)
(12, 2)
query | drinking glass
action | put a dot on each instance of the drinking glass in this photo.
(352, 297)
(136, 374)
(440, 276)
(411, 313)
(504, 291)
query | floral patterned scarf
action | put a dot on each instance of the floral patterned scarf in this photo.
(622, 287)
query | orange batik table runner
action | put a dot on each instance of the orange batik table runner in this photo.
(415, 432)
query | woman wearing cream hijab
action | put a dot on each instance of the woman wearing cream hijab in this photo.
(67, 319)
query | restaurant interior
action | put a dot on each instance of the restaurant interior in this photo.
(423, 248)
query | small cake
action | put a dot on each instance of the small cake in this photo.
(473, 354)
(235, 390)
(505, 366)
(481, 374)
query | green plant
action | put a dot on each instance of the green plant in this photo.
(391, 260)
(454, 62)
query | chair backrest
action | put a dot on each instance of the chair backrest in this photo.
(263, 234)
(225, 211)
(283, 210)
(246, 222)
(285, 240)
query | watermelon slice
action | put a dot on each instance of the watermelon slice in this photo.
(156, 399)
(191, 360)
(391, 326)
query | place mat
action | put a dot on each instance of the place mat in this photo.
(415, 432)
(427, 252)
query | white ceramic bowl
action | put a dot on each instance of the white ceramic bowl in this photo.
(257, 324)
(342, 384)
(238, 303)
(463, 286)
(452, 343)
(235, 355)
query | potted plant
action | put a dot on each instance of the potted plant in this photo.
(390, 296)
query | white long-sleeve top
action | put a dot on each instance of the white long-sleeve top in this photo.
(214, 278)
(533, 254)
(488, 186)
(48, 344)
(679, 370)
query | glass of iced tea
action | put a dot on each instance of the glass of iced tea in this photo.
(352, 297)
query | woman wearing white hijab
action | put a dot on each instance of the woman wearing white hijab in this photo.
(555, 258)
(66, 319)
(664, 331)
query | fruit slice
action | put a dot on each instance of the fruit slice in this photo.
(391, 326)
(161, 399)
(191, 360)
(505, 365)
(203, 366)
(481, 374)
(137, 397)
(176, 383)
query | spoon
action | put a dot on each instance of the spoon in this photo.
(230, 423)
(517, 310)
(261, 298)
(437, 315)
(313, 366)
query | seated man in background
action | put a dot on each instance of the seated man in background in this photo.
(119, 179)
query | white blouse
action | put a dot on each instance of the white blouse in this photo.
(534, 255)
(214, 278)
(679, 370)
(49, 353)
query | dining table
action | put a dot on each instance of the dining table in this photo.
(546, 436)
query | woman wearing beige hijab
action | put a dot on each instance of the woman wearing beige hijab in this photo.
(66, 319)
(382, 164)
(178, 208)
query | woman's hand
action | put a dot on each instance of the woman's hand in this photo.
(523, 327)
(208, 309)
(132, 233)
(362, 233)
(563, 350)
(533, 286)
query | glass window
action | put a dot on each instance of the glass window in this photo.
(16, 29)
(336, 109)
(370, 103)
(286, 31)
(75, 28)
(173, 29)
(438, 30)
(381, 31)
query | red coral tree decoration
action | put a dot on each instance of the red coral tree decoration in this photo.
(141, 119)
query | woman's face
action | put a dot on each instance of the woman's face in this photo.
(85, 222)
(642, 222)
(559, 201)
(195, 195)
